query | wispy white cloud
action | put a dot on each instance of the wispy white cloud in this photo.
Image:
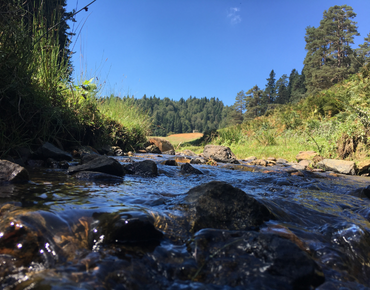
(233, 15)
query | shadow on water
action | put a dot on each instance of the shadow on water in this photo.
(57, 232)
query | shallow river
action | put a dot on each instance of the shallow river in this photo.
(49, 238)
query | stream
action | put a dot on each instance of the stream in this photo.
(58, 232)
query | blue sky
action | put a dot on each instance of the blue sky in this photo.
(199, 48)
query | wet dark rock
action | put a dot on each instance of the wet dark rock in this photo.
(187, 168)
(102, 164)
(26, 237)
(35, 163)
(13, 172)
(153, 149)
(48, 150)
(106, 149)
(219, 154)
(145, 168)
(97, 176)
(123, 228)
(198, 160)
(363, 192)
(85, 158)
(253, 260)
(170, 162)
(221, 206)
(80, 151)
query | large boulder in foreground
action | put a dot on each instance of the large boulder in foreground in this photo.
(102, 164)
(10, 171)
(219, 154)
(252, 260)
(339, 166)
(162, 144)
(219, 205)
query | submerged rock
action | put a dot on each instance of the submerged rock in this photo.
(10, 171)
(123, 228)
(146, 168)
(363, 192)
(102, 164)
(253, 260)
(219, 154)
(170, 162)
(219, 205)
(97, 176)
(187, 168)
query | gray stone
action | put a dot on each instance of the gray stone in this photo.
(219, 205)
(219, 154)
(198, 160)
(187, 168)
(146, 168)
(339, 166)
(13, 172)
(102, 164)
(48, 150)
(188, 152)
(163, 144)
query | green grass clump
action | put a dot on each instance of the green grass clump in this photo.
(137, 123)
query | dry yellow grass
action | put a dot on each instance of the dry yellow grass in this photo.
(177, 139)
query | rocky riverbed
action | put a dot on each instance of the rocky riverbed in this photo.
(157, 221)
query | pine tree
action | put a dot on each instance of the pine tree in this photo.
(239, 104)
(329, 55)
(254, 103)
(364, 50)
(282, 93)
(270, 91)
(296, 86)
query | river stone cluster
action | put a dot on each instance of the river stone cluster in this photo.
(225, 225)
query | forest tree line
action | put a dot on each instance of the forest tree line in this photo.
(182, 116)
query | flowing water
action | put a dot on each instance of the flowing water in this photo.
(48, 238)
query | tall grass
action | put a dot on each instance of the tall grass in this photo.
(127, 113)
(37, 100)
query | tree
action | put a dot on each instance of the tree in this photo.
(254, 103)
(296, 86)
(329, 55)
(239, 104)
(364, 50)
(270, 91)
(282, 93)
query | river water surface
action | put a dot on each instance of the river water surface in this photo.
(47, 229)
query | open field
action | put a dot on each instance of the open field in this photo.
(176, 139)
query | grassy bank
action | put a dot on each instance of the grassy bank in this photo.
(334, 122)
(38, 99)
